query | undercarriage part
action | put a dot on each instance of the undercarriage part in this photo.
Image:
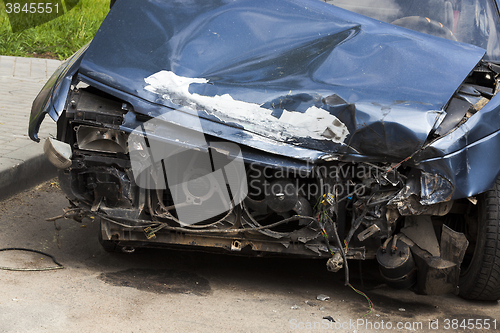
(421, 231)
(439, 274)
(397, 266)
(234, 240)
(435, 275)
(453, 245)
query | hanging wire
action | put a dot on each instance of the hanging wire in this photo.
(370, 304)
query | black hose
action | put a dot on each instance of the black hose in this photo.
(342, 252)
(59, 266)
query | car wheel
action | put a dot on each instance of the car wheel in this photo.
(480, 270)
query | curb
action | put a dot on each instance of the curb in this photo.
(23, 164)
(24, 169)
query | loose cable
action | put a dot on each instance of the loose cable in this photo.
(59, 266)
(370, 304)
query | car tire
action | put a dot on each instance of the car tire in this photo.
(480, 276)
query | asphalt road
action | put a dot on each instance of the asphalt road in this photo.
(182, 291)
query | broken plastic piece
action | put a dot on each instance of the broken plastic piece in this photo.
(58, 153)
(322, 297)
(335, 263)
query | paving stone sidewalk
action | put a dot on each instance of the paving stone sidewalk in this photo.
(22, 163)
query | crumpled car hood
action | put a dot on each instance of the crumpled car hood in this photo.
(304, 73)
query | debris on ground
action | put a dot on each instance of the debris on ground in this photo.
(322, 297)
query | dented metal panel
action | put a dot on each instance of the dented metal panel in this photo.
(467, 157)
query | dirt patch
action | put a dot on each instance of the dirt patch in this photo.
(45, 55)
(48, 186)
(404, 308)
(24, 198)
(160, 281)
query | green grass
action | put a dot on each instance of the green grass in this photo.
(58, 38)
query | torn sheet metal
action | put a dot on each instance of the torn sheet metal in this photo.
(314, 123)
(467, 156)
(420, 230)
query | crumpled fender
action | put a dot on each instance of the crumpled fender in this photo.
(52, 98)
(469, 156)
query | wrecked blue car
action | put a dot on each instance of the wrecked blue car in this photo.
(340, 130)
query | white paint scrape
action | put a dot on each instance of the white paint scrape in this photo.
(315, 123)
